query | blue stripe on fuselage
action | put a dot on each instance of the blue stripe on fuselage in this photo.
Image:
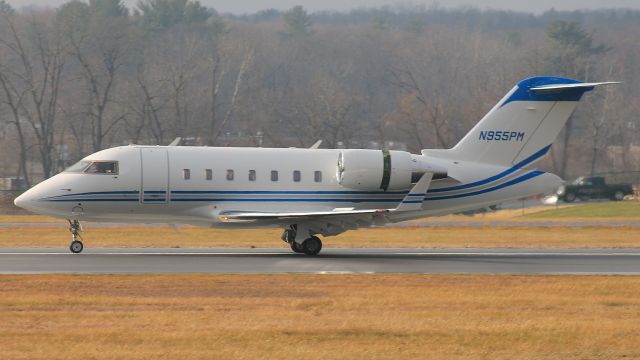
(517, 180)
(518, 166)
(268, 192)
(133, 192)
(507, 172)
(511, 182)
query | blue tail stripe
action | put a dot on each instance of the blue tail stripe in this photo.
(507, 172)
(517, 180)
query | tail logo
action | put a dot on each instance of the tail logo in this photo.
(499, 135)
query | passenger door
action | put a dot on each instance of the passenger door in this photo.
(155, 176)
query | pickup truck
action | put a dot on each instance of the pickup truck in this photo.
(586, 188)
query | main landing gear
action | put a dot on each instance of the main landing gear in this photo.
(309, 246)
(75, 228)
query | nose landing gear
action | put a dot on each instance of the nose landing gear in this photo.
(75, 228)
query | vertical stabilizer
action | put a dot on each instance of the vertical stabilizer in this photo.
(524, 124)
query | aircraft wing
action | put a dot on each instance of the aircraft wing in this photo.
(412, 202)
(247, 216)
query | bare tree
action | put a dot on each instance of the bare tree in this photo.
(98, 44)
(13, 99)
(220, 67)
(34, 81)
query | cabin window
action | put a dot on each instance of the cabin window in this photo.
(317, 176)
(186, 174)
(296, 176)
(274, 175)
(103, 167)
(230, 174)
(252, 175)
(208, 174)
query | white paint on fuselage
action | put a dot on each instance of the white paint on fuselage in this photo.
(117, 198)
(491, 164)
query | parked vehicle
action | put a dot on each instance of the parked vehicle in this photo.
(587, 188)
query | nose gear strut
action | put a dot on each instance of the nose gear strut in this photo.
(76, 239)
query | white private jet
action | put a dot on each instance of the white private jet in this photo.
(310, 192)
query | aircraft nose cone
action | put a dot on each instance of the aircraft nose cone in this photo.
(20, 201)
(24, 201)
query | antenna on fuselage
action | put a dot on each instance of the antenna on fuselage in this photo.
(176, 142)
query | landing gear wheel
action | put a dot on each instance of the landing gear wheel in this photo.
(76, 246)
(618, 196)
(312, 246)
(297, 248)
(570, 197)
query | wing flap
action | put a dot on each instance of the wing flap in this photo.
(249, 216)
(411, 202)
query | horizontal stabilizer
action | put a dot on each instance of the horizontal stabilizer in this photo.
(559, 87)
(525, 122)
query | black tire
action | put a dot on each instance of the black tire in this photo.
(570, 197)
(312, 246)
(76, 247)
(618, 196)
(297, 248)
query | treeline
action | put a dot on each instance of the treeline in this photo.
(90, 75)
(412, 17)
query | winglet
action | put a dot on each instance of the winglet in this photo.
(414, 199)
(316, 145)
(176, 142)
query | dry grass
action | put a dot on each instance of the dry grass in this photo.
(621, 210)
(319, 317)
(139, 236)
(28, 219)
(488, 235)
(379, 237)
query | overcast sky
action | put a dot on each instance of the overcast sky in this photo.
(250, 6)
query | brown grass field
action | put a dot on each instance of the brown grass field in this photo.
(461, 237)
(490, 233)
(324, 316)
(319, 317)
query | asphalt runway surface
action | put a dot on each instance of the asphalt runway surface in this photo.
(330, 261)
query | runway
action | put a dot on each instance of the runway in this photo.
(331, 261)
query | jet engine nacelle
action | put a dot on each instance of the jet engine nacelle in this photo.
(372, 170)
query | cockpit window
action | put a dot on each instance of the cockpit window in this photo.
(80, 166)
(103, 167)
